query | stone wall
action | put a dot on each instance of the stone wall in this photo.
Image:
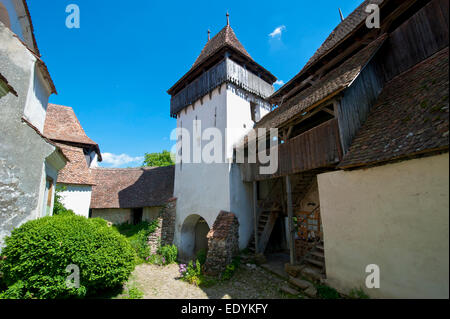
(223, 243)
(163, 235)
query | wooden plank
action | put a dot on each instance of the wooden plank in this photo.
(265, 235)
(290, 219)
(255, 214)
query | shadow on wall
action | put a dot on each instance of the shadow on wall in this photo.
(153, 187)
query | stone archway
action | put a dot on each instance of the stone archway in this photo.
(193, 237)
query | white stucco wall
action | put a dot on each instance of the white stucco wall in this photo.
(395, 216)
(150, 213)
(114, 215)
(206, 189)
(201, 189)
(77, 198)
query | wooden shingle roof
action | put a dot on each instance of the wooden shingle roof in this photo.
(213, 51)
(410, 117)
(342, 31)
(331, 84)
(226, 37)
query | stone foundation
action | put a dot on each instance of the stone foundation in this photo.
(223, 243)
(163, 235)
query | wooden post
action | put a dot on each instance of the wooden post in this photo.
(255, 214)
(290, 220)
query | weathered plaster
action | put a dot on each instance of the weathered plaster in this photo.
(395, 216)
(22, 150)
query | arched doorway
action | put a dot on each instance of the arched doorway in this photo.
(193, 237)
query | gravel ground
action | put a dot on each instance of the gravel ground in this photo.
(157, 282)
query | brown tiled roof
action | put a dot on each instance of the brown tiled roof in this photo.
(340, 33)
(62, 124)
(226, 37)
(76, 170)
(411, 116)
(331, 84)
(132, 187)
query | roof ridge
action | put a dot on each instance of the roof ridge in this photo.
(60, 105)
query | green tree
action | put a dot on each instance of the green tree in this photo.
(158, 159)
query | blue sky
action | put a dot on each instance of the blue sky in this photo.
(116, 68)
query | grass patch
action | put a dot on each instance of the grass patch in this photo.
(326, 292)
(137, 235)
(358, 294)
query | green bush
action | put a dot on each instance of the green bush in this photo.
(169, 253)
(38, 252)
(138, 236)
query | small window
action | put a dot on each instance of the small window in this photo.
(253, 111)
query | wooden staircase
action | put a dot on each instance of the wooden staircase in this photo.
(314, 262)
(273, 206)
(266, 222)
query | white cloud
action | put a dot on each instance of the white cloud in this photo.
(279, 82)
(115, 160)
(277, 32)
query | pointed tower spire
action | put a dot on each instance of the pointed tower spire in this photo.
(228, 18)
(340, 13)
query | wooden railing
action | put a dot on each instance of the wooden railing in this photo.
(317, 148)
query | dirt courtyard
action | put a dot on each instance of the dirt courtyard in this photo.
(248, 282)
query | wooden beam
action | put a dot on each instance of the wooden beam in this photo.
(255, 214)
(291, 220)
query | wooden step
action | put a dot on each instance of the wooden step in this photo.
(314, 262)
(320, 247)
(318, 254)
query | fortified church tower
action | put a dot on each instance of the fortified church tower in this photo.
(225, 89)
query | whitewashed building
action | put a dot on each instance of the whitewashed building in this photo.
(29, 162)
(224, 89)
(62, 127)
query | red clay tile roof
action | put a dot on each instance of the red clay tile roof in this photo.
(410, 117)
(132, 187)
(341, 32)
(76, 170)
(331, 84)
(61, 124)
